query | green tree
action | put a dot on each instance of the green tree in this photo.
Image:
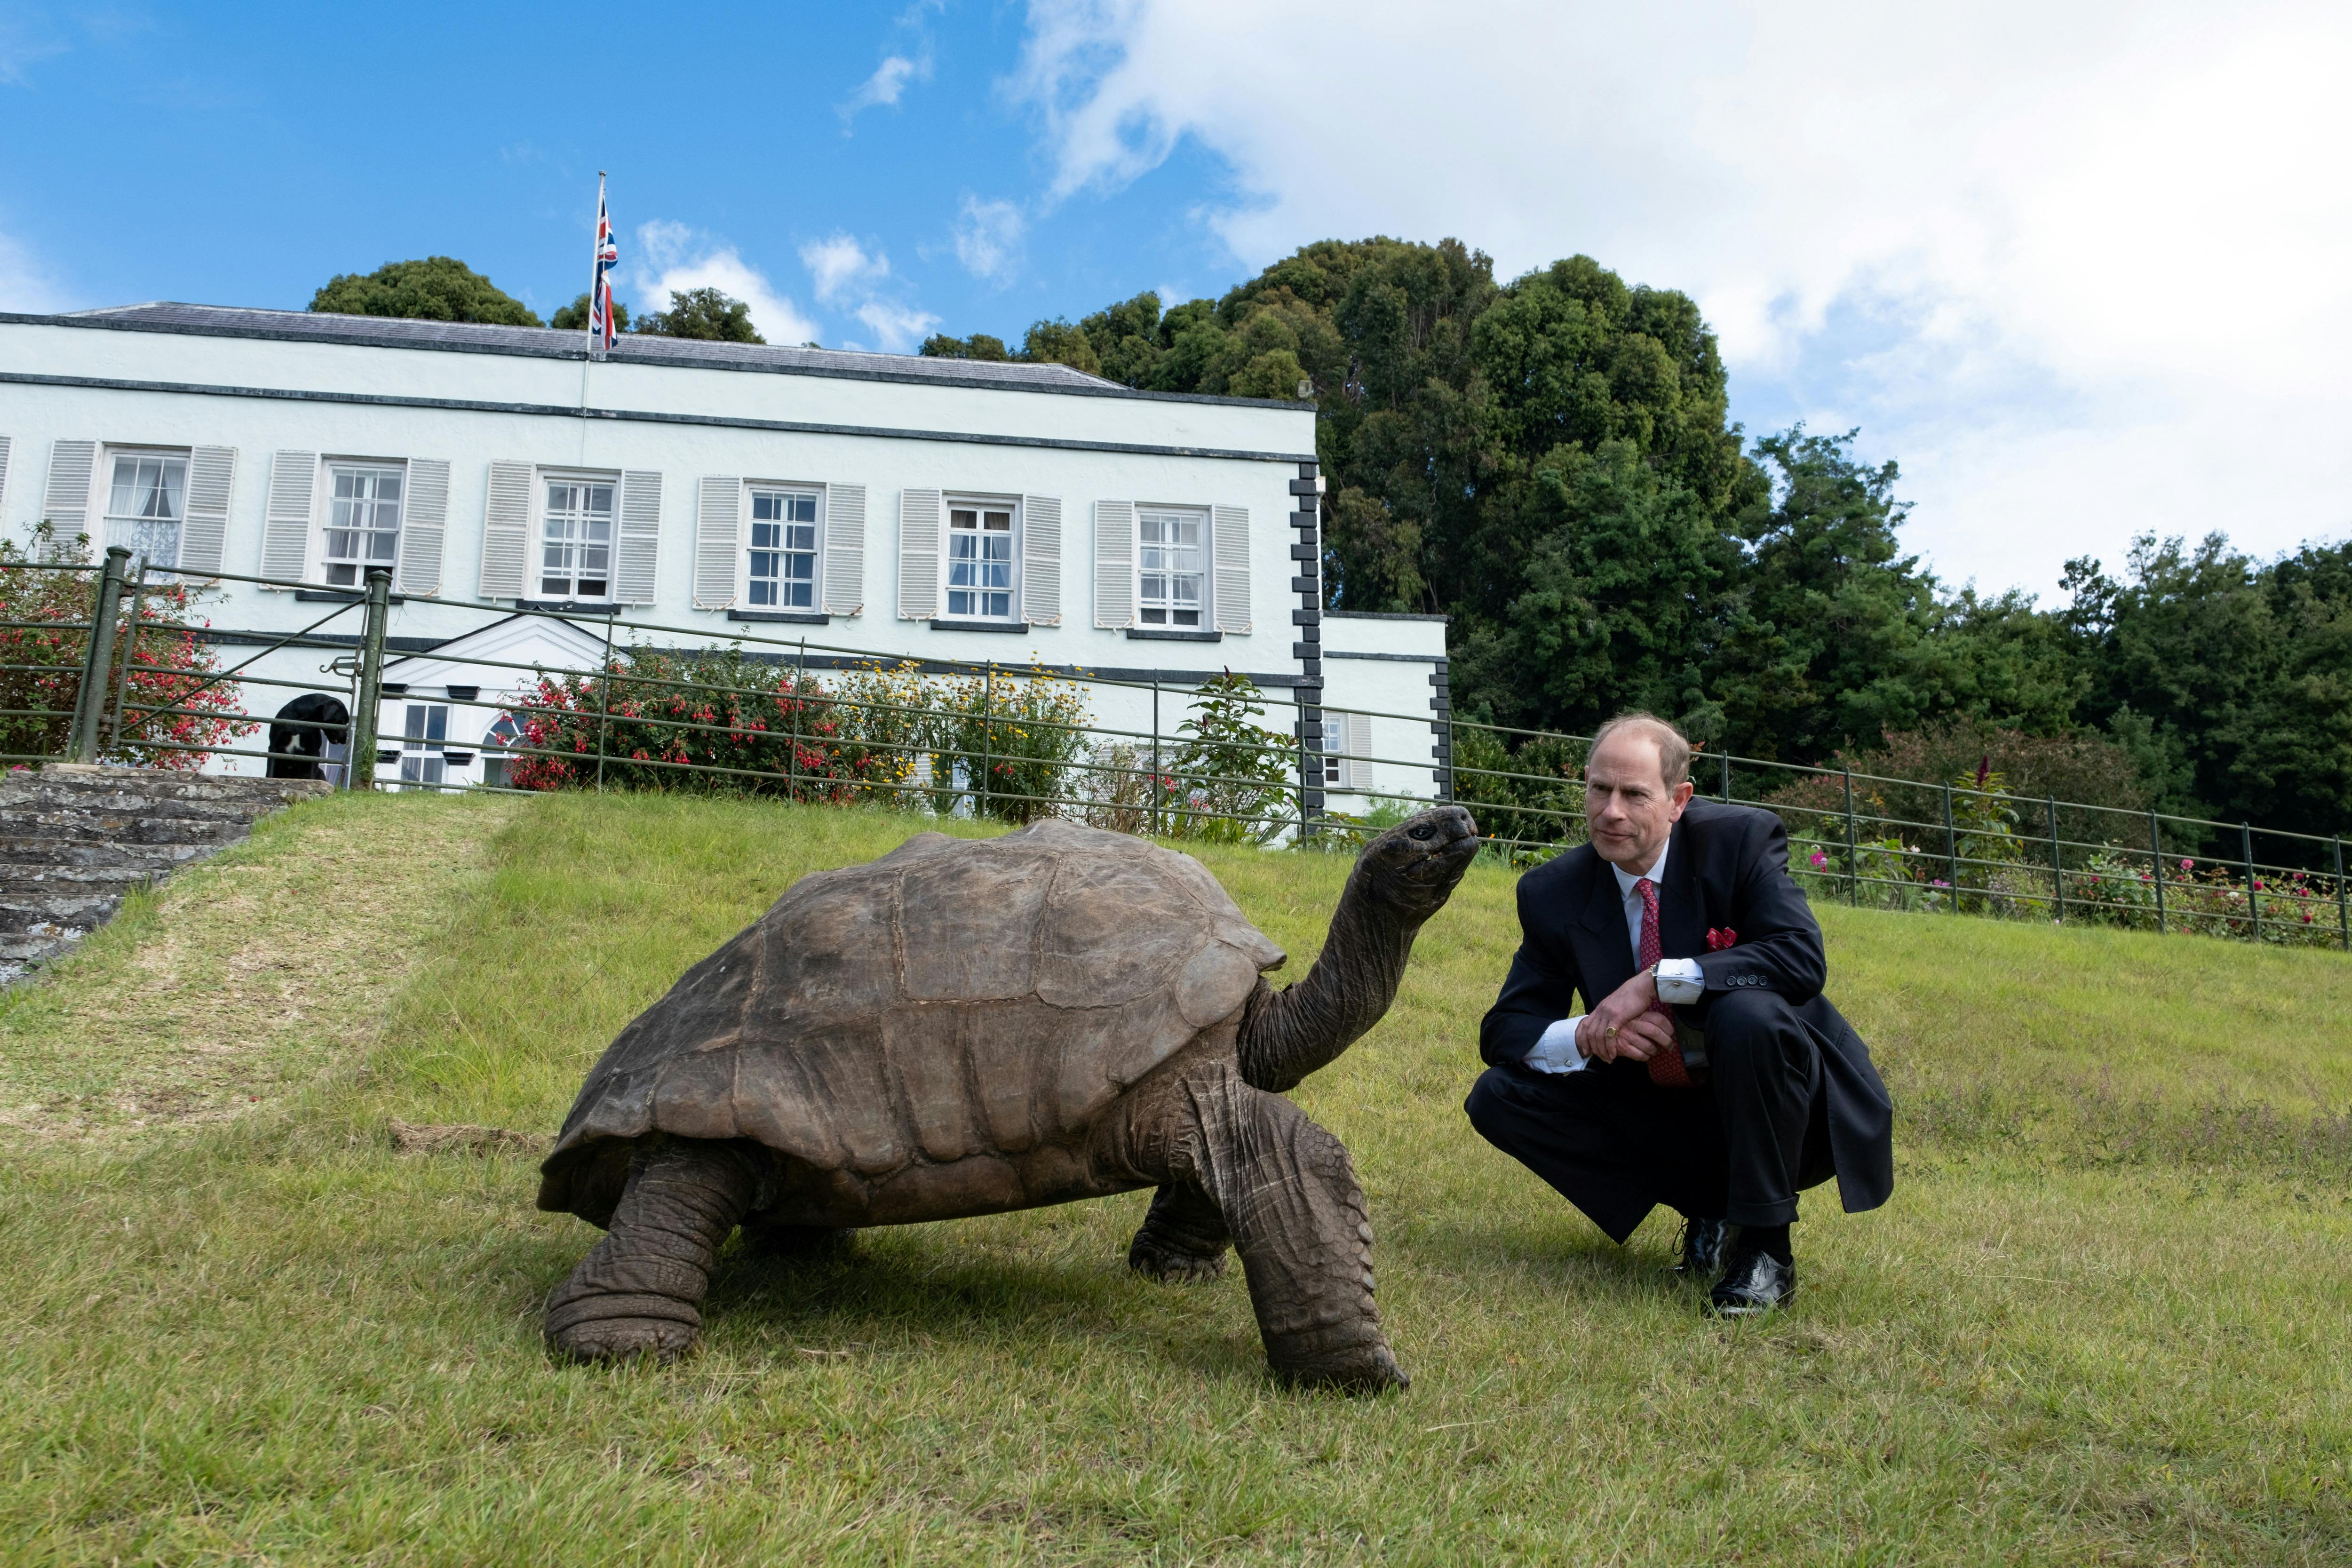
(573, 317)
(980, 346)
(437, 289)
(1058, 342)
(704, 313)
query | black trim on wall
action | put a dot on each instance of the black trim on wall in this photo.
(636, 415)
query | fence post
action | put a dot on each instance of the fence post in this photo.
(1727, 778)
(792, 746)
(2342, 926)
(2253, 898)
(1853, 866)
(1951, 850)
(2057, 859)
(987, 734)
(2155, 857)
(1155, 759)
(130, 651)
(97, 661)
(604, 701)
(359, 766)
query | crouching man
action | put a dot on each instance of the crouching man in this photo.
(1707, 1072)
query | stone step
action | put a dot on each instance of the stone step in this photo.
(159, 785)
(84, 827)
(49, 851)
(62, 881)
(126, 802)
(56, 915)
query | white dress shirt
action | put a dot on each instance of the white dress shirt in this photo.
(1680, 980)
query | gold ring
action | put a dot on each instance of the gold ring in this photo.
(1610, 1033)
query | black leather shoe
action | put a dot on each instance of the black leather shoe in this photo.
(1753, 1283)
(1702, 1248)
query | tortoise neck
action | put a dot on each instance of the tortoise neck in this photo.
(1290, 1033)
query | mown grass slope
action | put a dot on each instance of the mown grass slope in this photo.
(2102, 1320)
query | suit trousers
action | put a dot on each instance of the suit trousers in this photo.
(1740, 1147)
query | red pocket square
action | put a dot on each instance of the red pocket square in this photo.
(1717, 940)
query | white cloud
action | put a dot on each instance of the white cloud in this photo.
(988, 239)
(25, 284)
(678, 259)
(838, 264)
(2099, 248)
(884, 86)
(898, 327)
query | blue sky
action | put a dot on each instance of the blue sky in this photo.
(2082, 270)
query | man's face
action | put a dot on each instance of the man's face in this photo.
(1627, 805)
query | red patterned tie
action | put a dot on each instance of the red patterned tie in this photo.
(1666, 1067)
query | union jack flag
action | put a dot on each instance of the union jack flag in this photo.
(600, 297)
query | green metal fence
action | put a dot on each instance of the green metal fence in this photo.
(796, 719)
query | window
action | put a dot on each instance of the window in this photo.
(504, 733)
(577, 558)
(1169, 576)
(145, 505)
(426, 727)
(979, 561)
(784, 549)
(363, 522)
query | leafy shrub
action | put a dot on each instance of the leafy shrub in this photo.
(176, 712)
(1530, 801)
(1233, 781)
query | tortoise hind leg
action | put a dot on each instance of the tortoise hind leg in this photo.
(639, 1289)
(1288, 1196)
(1183, 1236)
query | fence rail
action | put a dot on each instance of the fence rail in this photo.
(667, 706)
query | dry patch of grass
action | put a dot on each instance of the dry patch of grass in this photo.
(252, 968)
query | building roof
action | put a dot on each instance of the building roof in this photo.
(541, 343)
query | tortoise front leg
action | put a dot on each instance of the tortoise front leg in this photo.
(1183, 1236)
(639, 1289)
(1289, 1198)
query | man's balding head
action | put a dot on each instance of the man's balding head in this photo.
(1636, 783)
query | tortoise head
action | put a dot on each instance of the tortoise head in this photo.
(1409, 871)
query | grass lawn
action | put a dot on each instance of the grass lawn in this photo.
(2104, 1319)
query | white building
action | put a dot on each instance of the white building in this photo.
(879, 506)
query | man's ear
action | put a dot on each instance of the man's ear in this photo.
(1682, 797)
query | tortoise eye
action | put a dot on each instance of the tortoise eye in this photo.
(1422, 832)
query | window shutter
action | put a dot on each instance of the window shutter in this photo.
(1233, 558)
(717, 526)
(640, 559)
(212, 472)
(1041, 560)
(423, 525)
(1114, 564)
(285, 530)
(506, 531)
(5, 445)
(844, 550)
(1358, 772)
(67, 501)
(918, 555)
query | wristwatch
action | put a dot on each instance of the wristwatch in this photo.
(1680, 980)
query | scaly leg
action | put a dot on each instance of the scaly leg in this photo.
(1183, 1236)
(1289, 1198)
(638, 1288)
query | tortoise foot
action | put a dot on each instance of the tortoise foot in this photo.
(1154, 1259)
(1371, 1369)
(624, 1339)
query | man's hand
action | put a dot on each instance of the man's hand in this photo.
(1623, 1025)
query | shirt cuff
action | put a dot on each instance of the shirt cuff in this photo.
(1555, 1051)
(1681, 982)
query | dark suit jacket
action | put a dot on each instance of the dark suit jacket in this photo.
(1727, 866)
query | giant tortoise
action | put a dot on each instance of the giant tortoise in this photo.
(967, 1027)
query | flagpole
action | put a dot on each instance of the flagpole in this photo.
(595, 263)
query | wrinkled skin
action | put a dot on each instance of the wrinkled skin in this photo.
(1237, 1166)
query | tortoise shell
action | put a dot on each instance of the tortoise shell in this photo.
(957, 1000)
